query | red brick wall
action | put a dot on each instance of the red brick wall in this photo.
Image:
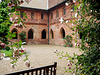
(56, 26)
(37, 25)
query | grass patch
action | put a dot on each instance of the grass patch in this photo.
(7, 53)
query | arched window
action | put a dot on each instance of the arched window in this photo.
(30, 34)
(16, 33)
(51, 33)
(62, 33)
(43, 34)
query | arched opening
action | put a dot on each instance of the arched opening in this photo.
(62, 33)
(16, 33)
(44, 34)
(30, 34)
(51, 33)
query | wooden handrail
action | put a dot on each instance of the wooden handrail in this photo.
(41, 70)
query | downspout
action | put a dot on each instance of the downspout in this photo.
(48, 19)
(48, 25)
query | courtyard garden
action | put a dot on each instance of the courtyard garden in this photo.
(40, 55)
(83, 59)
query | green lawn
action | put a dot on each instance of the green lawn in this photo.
(7, 53)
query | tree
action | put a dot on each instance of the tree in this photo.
(87, 22)
(7, 10)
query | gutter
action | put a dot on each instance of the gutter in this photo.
(32, 8)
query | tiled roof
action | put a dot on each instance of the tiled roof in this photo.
(42, 4)
(53, 3)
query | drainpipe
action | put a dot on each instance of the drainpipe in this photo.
(48, 25)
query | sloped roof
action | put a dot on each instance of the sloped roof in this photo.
(52, 3)
(42, 4)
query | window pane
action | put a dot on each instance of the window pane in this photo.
(64, 11)
(42, 16)
(57, 13)
(51, 15)
(32, 15)
(21, 14)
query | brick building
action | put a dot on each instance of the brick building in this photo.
(42, 25)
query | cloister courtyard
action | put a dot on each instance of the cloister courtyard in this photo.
(40, 55)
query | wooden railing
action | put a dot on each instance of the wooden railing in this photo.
(46, 70)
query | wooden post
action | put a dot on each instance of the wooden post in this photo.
(55, 65)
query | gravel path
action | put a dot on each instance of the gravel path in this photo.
(39, 55)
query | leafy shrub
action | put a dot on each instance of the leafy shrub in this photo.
(87, 24)
(7, 11)
(7, 48)
(68, 41)
(22, 36)
(7, 53)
